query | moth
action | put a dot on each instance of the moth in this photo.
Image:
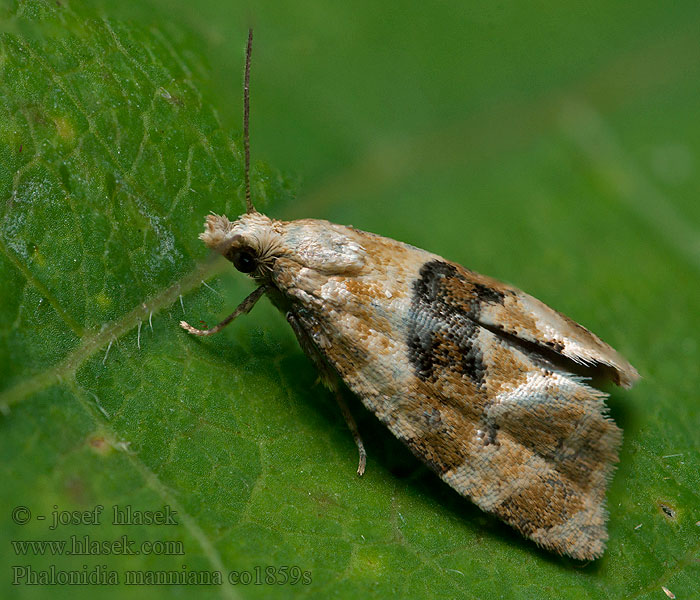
(484, 383)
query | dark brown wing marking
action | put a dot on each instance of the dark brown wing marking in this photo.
(510, 312)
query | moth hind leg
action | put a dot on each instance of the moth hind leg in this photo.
(331, 381)
(352, 425)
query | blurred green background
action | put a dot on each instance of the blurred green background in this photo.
(554, 146)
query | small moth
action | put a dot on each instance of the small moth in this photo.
(485, 384)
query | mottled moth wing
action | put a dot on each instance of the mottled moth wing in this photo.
(472, 376)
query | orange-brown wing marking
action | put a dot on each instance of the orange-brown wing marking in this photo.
(523, 439)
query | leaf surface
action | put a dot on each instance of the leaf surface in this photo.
(558, 154)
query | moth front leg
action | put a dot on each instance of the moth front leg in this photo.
(243, 307)
(331, 380)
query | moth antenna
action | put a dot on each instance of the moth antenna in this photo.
(246, 123)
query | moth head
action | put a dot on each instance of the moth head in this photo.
(251, 243)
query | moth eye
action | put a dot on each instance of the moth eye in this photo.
(244, 261)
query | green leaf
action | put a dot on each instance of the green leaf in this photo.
(557, 150)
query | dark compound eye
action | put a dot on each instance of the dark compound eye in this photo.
(244, 261)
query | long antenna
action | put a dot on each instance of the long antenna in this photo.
(246, 122)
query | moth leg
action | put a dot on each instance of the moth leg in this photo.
(331, 381)
(243, 307)
(353, 429)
